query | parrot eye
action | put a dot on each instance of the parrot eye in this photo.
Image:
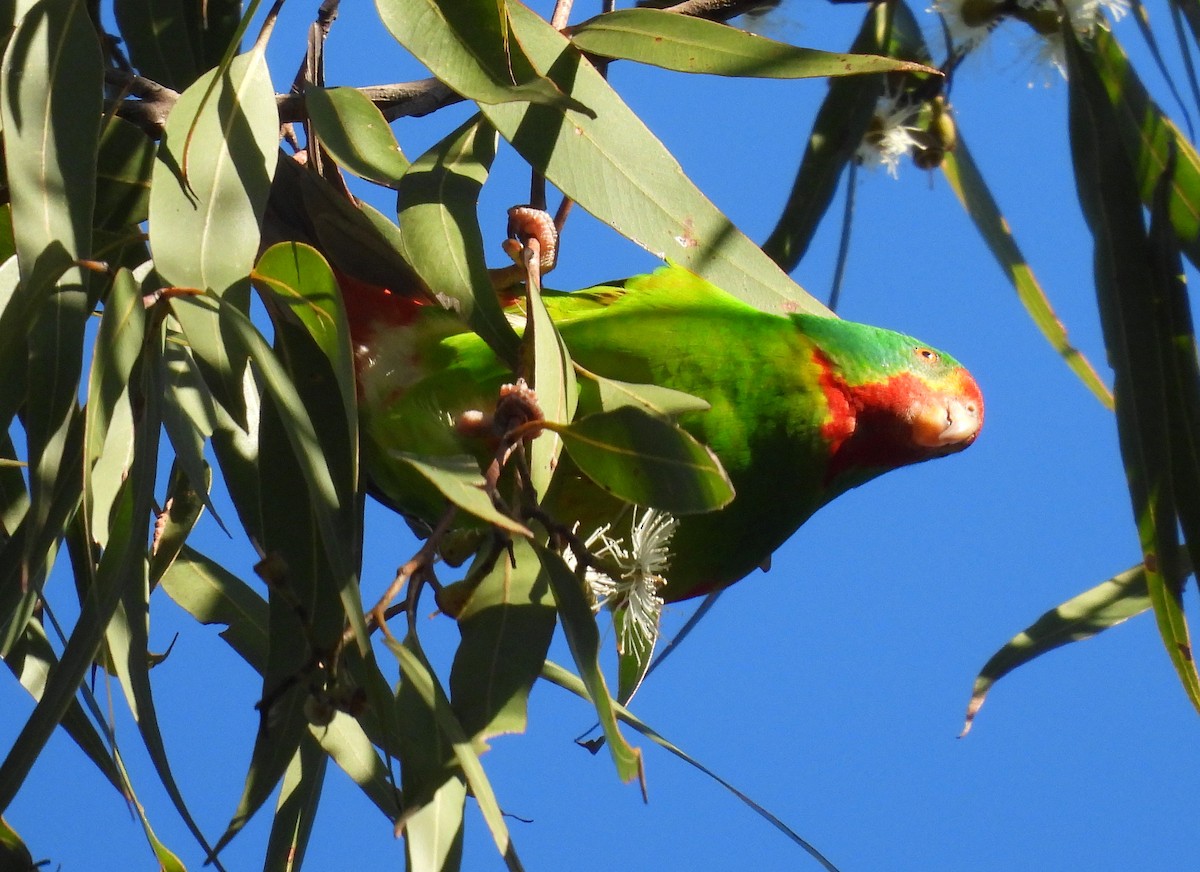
(927, 353)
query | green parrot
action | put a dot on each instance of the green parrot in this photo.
(798, 408)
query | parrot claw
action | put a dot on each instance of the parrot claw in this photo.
(765, 566)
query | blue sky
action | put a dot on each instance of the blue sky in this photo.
(832, 688)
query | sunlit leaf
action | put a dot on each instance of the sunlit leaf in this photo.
(355, 133)
(616, 169)
(837, 132)
(299, 795)
(647, 461)
(695, 45)
(1107, 604)
(608, 394)
(467, 44)
(213, 174)
(973, 193)
(1125, 269)
(421, 680)
(439, 229)
(547, 364)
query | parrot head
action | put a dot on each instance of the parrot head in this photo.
(892, 400)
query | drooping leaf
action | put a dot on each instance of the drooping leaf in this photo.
(837, 132)
(1107, 604)
(690, 44)
(972, 191)
(647, 461)
(555, 674)
(299, 795)
(415, 670)
(583, 638)
(174, 41)
(547, 364)
(1125, 269)
(506, 628)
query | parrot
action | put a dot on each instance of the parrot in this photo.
(798, 408)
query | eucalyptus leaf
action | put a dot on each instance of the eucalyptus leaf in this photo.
(459, 480)
(356, 134)
(611, 165)
(647, 461)
(689, 44)
(1106, 605)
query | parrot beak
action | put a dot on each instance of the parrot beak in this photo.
(950, 422)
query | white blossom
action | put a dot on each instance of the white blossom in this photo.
(889, 136)
(641, 563)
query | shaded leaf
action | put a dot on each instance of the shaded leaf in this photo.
(547, 364)
(506, 628)
(459, 480)
(647, 461)
(583, 638)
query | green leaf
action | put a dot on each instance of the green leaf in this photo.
(609, 394)
(174, 41)
(31, 662)
(420, 679)
(439, 229)
(547, 363)
(555, 674)
(210, 184)
(459, 480)
(838, 131)
(467, 44)
(583, 638)
(506, 628)
(344, 740)
(213, 595)
(13, 853)
(305, 287)
(615, 168)
(355, 132)
(695, 45)
(647, 461)
(1150, 138)
(299, 796)
(123, 168)
(972, 191)
(1107, 604)
(433, 834)
(1125, 266)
